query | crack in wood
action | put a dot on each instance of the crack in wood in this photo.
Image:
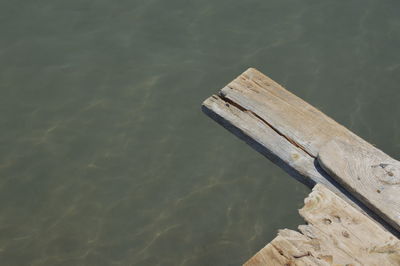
(302, 255)
(223, 97)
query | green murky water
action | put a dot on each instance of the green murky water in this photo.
(105, 156)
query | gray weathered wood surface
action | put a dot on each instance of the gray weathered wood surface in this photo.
(372, 176)
(287, 130)
(335, 234)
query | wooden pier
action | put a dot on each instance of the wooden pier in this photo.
(353, 212)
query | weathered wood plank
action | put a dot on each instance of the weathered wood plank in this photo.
(263, 138)
(336, 234)
(288, 114)
(284, 128)
(372, 176)
(276, 147)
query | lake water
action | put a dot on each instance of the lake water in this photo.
(105, 155)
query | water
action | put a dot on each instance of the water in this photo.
(105, 156)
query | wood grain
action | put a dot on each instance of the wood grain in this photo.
(335, 234)
(288, 114)
(265, 139)
(372, 176)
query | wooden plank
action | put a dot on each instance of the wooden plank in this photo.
(298, 121)
(284, 128)
(264, 139)
(335, 234)
(372, 176)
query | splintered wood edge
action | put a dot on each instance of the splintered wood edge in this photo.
(335, 234)
(372, 177)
